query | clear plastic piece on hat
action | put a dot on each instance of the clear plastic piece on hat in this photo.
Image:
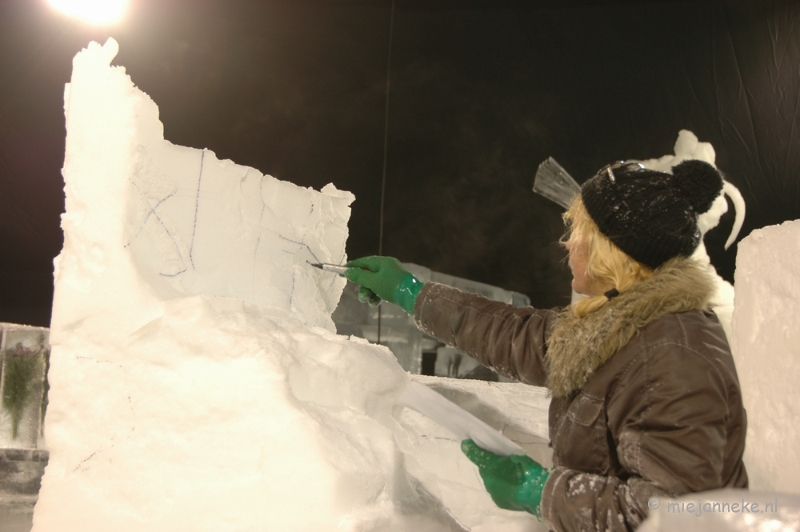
(609, 168)
(555, 183)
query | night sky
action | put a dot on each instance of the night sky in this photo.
(480, 93)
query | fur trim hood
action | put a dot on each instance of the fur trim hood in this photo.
(578, 346)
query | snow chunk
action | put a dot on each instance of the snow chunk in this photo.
(765, 347)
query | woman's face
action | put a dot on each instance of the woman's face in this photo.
(578, 250)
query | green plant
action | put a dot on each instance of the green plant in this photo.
(22, 371)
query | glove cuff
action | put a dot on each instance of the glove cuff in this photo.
(534, 489)
(405, 295)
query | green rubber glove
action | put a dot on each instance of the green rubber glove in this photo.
(384, 278)
(365, 295)
(514, 482)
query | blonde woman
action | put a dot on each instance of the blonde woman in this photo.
(645, 397)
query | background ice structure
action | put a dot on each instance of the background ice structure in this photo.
(689, 147)
(766, 347)
(196, 382)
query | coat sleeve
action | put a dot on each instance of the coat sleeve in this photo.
(668, 422)
(508, 339)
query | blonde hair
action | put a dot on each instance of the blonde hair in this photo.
(607, 265)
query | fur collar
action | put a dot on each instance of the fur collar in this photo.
(578, 346)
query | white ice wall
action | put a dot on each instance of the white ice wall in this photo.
(199, 225)
(193, 224)
(196, 381)
(766, 346)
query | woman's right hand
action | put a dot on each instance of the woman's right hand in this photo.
(384, 278)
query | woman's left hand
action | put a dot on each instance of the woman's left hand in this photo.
(515, 482)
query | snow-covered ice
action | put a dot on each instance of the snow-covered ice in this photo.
(196, 381)
(766, 347)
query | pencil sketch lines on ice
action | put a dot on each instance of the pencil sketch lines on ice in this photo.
(161, 228)
(197, 204)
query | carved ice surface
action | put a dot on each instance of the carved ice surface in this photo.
(196, 382)
(192, 224)
(190, 230)
(765, 347)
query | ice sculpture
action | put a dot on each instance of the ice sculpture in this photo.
(689, 147)
(196, 382)
(765, 347)
(23, 359)
(189, 230)
(24, 351)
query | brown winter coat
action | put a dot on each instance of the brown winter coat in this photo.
(646, 401)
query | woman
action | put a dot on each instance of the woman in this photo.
(645, 398)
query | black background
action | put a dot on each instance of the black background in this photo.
(480, 93)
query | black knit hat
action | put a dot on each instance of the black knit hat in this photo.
(650, 215)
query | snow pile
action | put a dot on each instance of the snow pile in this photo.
(689, 147)
(765, 346)
(196, 381)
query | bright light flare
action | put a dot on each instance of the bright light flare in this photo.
(97, 12)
